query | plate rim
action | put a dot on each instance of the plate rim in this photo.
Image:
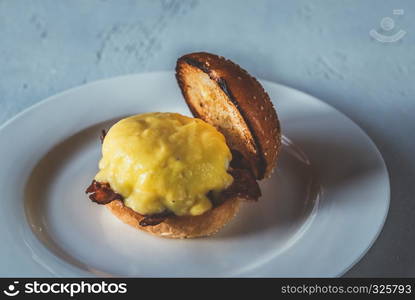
(51, 98)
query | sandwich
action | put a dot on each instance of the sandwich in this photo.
(181, 177)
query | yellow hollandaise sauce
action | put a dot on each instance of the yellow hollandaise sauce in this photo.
(160, 161)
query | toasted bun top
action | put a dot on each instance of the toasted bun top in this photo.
(223, 94)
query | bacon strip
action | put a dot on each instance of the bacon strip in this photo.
(244, 185)
(155, 219)
(102, 193)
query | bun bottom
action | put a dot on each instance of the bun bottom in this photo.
(181, 227)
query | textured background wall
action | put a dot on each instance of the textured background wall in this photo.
(320, 47)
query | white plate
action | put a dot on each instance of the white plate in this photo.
(320, 212)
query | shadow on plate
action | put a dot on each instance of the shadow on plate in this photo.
(307, 171)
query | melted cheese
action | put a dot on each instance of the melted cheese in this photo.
(160, 161)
